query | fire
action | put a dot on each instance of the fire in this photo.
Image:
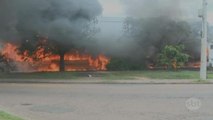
(74, 61)
(9, 52)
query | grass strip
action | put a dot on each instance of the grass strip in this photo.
(7, 116)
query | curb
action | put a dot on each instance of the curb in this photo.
(104, 81)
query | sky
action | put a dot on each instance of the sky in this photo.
(121, 8)
(112, 8)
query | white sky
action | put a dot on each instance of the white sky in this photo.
(112, 8)
(116, 8)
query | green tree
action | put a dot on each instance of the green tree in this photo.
(173, 56)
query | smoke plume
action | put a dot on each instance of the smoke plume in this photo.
(64, 21)
(158, 22)
(175, 9)
(152, 24)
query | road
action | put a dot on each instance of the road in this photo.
(107, 101)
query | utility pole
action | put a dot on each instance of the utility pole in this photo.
(203, 67)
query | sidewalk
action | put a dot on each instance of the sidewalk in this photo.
(91, 81)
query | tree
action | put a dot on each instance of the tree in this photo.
(48, 47)
(173, 56)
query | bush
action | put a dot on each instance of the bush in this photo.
(122, 64)
(173, 56)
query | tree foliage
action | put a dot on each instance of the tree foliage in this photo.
(173, 56)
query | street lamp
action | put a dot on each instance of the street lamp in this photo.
(203, 67)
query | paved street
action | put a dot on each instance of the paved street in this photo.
(107, 101)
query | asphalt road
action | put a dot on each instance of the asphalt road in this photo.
(108, 101)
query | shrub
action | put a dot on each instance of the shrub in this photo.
(122, 64)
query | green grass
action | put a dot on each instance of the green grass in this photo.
(172, 74)
(42, 75)
(153, 75)
(119, 75)
(6, 116)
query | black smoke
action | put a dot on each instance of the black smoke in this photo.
(151, 35)
(153, 24)
(65, 21)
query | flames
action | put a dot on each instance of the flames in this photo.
(74, 61)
